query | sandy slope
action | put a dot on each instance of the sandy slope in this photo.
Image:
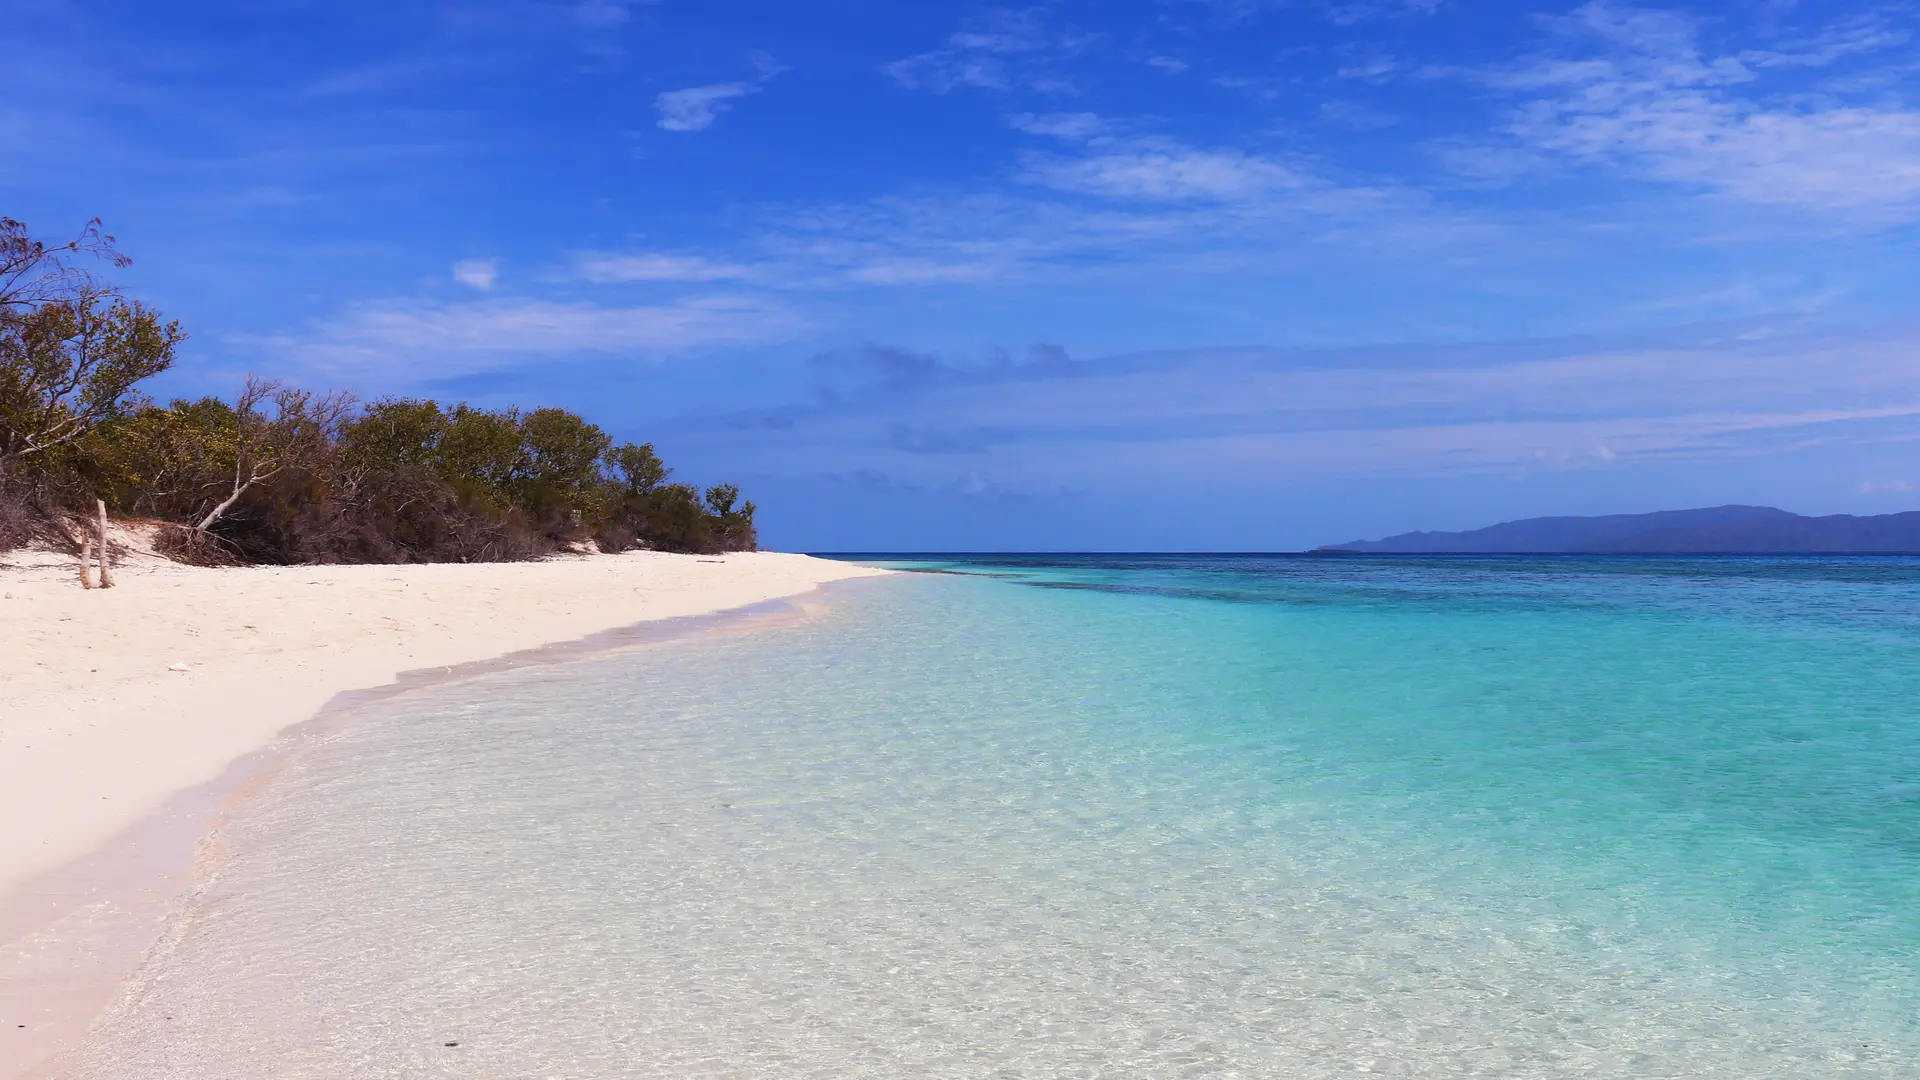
(96, 731)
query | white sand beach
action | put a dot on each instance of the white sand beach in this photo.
(112, 702)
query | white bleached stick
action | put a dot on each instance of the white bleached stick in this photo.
(106, 576)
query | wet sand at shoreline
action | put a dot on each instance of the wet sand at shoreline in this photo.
(104, 739)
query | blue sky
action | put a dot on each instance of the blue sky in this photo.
(1191, 274)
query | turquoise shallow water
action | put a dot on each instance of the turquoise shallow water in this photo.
(1044, 817)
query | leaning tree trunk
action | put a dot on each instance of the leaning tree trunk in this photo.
(266, 471)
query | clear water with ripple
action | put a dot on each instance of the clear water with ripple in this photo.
(1110, 817)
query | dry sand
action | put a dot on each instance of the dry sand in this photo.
(97, 734)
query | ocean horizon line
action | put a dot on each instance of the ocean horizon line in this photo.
(1350, 553)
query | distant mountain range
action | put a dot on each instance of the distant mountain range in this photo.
(1715, 530)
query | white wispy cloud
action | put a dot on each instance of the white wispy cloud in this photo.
(943, 70)
(1360, 117)
(1150, 168)
(1002, 32)
(477, 273)
(697, 107)
(813, 261)
(994, 51)
(606, 269)
(1260, 88)
(1075, 127)
(1106, 206)
(1347, 14)
(1858, 35)
(1884, 487)
(1165, 170)
(898, 241)
(1648, 98)
(922, 271)
(1373, 70)
(427, 339)
(1407, 412)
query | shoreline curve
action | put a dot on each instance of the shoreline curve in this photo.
(79, 914)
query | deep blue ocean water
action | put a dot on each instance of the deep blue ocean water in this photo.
(1112, 816)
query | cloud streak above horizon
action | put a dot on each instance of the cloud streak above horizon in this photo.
(1042, 423)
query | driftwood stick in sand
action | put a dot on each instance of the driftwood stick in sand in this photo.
(86, 562)
(106, 576)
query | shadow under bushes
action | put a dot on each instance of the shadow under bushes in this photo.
(187, 545)
(34, 512)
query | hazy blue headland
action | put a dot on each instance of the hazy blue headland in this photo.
(1718, 530)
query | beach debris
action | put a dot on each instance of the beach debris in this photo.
(178, 665)
(106, 576)
(88, 549)
(453, 1044)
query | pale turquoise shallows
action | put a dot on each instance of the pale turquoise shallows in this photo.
(1111, 818)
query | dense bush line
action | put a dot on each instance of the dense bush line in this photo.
(284, 475)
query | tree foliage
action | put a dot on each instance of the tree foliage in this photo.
(283, 474)
(71, 349)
